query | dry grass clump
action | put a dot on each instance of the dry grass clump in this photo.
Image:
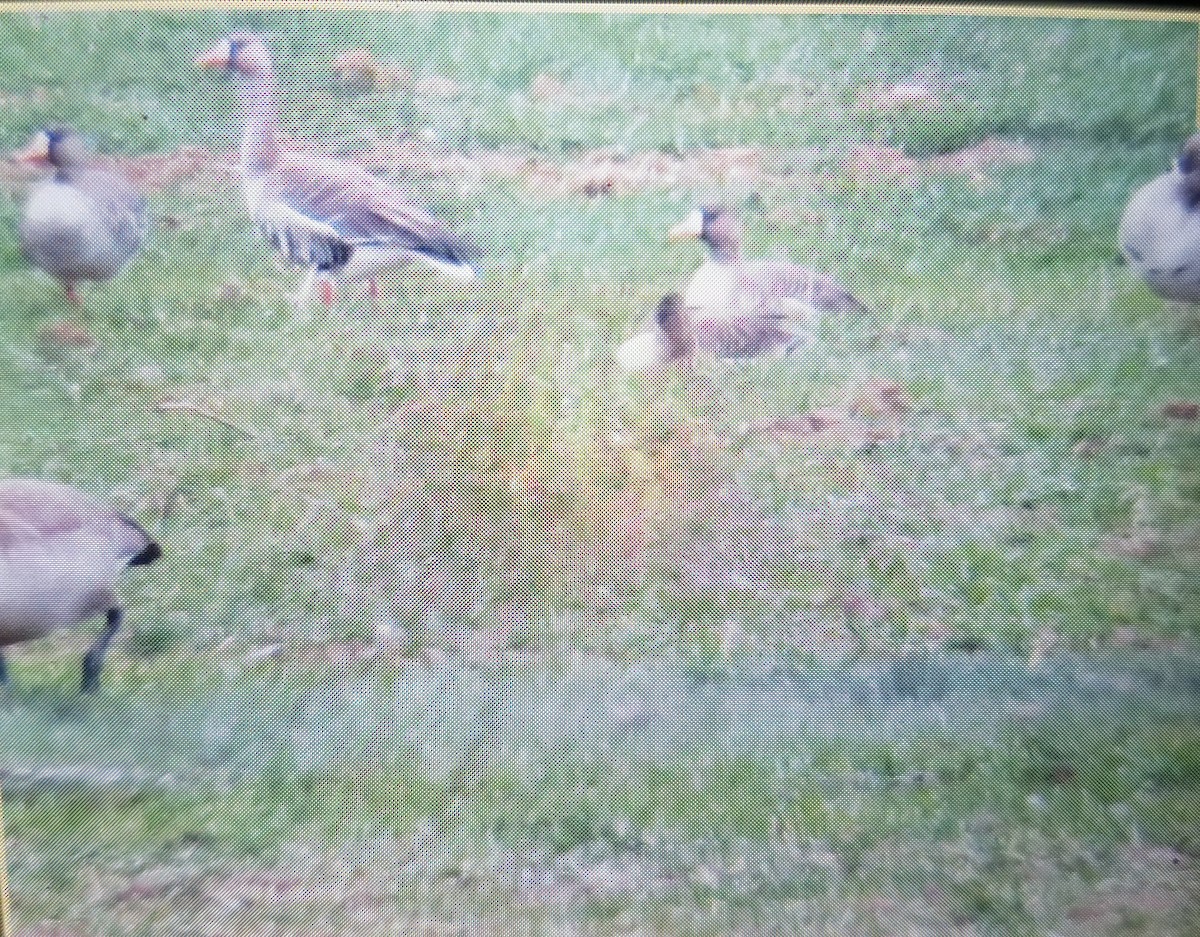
(490, 499)
(483, 503)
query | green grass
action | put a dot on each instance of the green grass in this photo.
(463, 628)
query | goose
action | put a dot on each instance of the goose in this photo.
(1159, 232)
(84, 223)
(745, 307)
(61, 553)
(673, 339)
(331, 216)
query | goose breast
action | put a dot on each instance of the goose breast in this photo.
(1160, 237)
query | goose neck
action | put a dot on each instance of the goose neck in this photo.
(260, 136)
(724, 252)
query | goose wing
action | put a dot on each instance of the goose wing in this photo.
(118, 215)
(743, 336)
(120, 209)
(317, 211)
(787, 291)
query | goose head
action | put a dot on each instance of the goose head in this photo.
(675, 325)
(239, 54)
(715, 227)
(672, 341)
(60, 147)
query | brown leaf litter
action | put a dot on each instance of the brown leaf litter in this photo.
(869, 413)
(57, 338)
(359, 69)
(904, 95)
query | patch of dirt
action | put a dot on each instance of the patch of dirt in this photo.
(192, 169)
(600, 171)
(870, 413)
(904, 95)
(609, 172)
(987, 154)
(57, 339)
(1185, 410)
(1139, 544)
(156, 885)
(1145, 641)
(358, 69)
(554, 92)
(880, 398)
(1159, 889)
(876, 165)
(414, 157)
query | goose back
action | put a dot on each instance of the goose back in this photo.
(61, 552)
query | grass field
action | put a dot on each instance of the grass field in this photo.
(460, 630)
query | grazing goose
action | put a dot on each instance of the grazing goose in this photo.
(1160, 229)
(747, 307)
(672, 341)
(61, 553)
(333, 217)
(84, 223)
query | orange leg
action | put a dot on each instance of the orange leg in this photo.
(328, 293)
(73, 295)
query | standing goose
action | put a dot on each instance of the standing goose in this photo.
(747, 307)
(1160, 229)
(61, 553)
(84, 223)
(331, 216)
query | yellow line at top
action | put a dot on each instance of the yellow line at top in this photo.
(524, 6)
(6, 929)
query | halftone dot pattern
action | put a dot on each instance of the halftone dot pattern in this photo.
(498, 597)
